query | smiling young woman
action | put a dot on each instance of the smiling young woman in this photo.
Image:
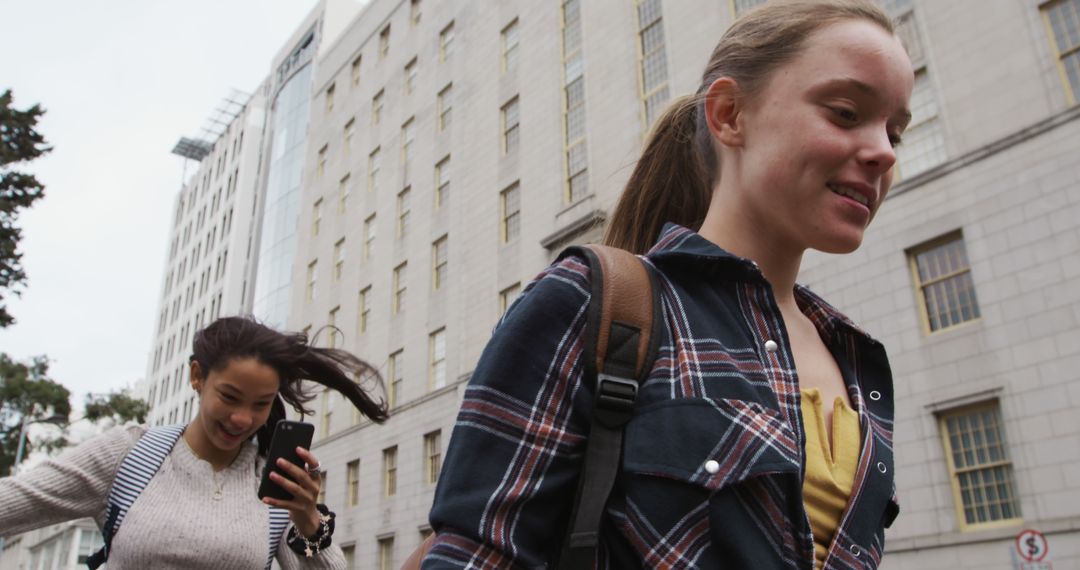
(751, 443)
(200, 508)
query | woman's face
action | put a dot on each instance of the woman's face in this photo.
(817, 153)
(235, 401)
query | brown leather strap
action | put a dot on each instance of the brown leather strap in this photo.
(414, 560)
(627, 299)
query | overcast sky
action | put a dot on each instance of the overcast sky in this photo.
(121, 80)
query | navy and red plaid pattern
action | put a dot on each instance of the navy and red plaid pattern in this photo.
(715, 395)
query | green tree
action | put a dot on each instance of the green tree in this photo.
(26, 392)
(19, 142)
(119, 407)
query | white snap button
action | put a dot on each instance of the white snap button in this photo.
(771, 346)
(855, 550)
(712, 466)
(875, 395)
(881, 467)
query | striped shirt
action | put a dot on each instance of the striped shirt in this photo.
(713, 459)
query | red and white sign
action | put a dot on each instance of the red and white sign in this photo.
(1031, 546)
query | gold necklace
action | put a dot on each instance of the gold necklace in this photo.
(217, 486)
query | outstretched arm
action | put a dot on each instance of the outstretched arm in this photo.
(71, 486)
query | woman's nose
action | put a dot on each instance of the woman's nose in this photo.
(878, 151)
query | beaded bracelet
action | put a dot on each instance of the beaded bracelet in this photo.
(310, 546)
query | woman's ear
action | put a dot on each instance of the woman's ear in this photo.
(197, 379)
(722, 108)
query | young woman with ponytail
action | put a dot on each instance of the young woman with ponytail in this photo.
(762, 436)
(200, 508)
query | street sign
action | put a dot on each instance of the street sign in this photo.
(1031, 546)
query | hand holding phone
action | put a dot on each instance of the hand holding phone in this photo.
(288, 435)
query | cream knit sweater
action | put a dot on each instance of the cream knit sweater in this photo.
(175, 523)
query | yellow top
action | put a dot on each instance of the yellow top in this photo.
(830, 469)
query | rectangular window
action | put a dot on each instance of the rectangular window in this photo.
(511, 212)
(1063, 19)
(343, 194)
(410, 76)
(364, 309)
(386, 554)
(407, 136)
(437, 359)
(414, 12)
(376, 108)
(352, 485)
(316, 217)
(432, 456)
(331, 328)
(397, 378)
(390, 471)
(309, 294)
(510, 123)
(349, 552)
(356, 71)
(510, 46)
(446, 42)
(442, 182)
(404, 208)
(741, 7)
(339, 258)
(576, 175)
(330, 98)
(347, 135)
(373, 170)
(924, 140)
(321, 168)
(942, 276)
(384, 42)
(653, 60)
(508, 296)
(399, 287)
(369, 237)
(979, 465)
(327, 412)
(445, 104)
(439, 263)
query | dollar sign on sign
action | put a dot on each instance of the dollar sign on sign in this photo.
(1032, 546)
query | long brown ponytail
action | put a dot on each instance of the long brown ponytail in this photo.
(674, 179)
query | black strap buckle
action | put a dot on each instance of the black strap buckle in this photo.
(615, 399)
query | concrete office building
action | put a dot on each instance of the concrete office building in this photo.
(284, 143)
(209, 250)
(64, 546)
(241, 199)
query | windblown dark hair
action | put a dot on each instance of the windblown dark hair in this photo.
(294, 359)
(675, 176)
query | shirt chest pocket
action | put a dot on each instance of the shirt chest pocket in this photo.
(708, 443)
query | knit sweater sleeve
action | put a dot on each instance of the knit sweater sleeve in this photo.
(73, 485)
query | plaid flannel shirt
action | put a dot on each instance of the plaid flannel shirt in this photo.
(716, 392)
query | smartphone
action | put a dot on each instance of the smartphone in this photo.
(288, 435)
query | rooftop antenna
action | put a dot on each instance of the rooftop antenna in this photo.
(196, 148)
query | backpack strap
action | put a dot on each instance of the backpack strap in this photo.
(622, 338)
(134, 474)
(279, 519)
